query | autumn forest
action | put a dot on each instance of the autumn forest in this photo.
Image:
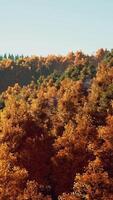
(56, 127)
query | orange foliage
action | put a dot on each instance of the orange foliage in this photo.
(56, 136)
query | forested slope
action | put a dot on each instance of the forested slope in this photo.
(23, 70)
(56, 134)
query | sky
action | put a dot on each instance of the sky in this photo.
(42, 27)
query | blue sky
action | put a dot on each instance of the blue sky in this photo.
(42, 27)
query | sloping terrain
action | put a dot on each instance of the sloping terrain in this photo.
(56, 133)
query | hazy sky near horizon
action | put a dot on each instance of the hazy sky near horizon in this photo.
(43, 27)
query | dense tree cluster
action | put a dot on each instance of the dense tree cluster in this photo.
(23, 70)
(56, 134)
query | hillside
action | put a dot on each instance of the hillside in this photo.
(56, 127)
(23, 70)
